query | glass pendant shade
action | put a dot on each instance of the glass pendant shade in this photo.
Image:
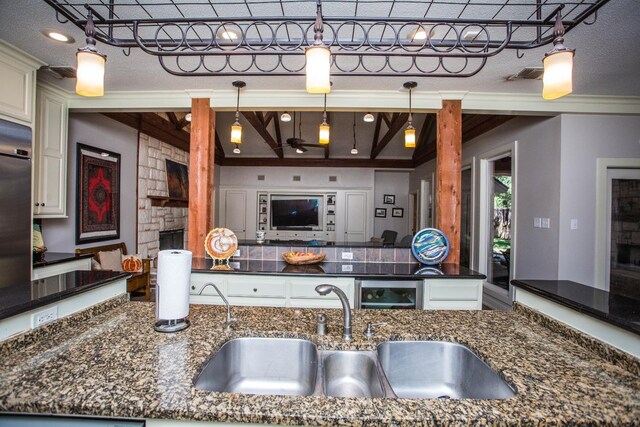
(354, 151)
(90, 73)
(323, 137)
(410, 137)
(557, 78)
(318, 69)
(236, 133)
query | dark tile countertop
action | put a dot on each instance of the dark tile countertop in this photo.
(115, 365)
(614, 309)
(22, 297)
(51, 258)
(369, 270)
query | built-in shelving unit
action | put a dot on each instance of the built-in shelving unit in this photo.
(168, 202)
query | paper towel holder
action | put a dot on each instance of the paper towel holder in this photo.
(169, 325)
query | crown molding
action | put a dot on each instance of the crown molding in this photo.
(356, 100)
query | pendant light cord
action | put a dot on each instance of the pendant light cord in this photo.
(354, 130)
(238, 105)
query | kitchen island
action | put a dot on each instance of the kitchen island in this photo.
(115, 365)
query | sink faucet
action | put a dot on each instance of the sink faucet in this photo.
(324, 290)
(230, 321)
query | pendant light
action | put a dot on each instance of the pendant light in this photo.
(236, 150)
(323, 137)
(368, 118)
(410, 131)
(90, 64)
(318, 56)
(285, 117)
(354, 150)
(558, 65)
(236, 128)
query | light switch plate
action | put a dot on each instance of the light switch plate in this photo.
(546, 223)
(537, 222)
(574, 224)
(347, 255)
(347, 268)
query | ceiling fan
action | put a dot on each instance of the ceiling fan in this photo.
(298, 143)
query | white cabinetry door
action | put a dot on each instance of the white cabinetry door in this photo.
(235, 212)
(17, 75)
(50, 156)
(355, 222)
(452, 294)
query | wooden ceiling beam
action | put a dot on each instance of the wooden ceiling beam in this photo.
(481, 124)
(426, 137)
(155, 126)
(387, 119)
(376, 133)
(399, 119)
(182, 123)
(256, 119)
(172, 118)
(318, 162)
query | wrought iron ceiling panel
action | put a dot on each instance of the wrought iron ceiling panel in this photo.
(384, 37)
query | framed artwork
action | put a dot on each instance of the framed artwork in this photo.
(389, 199)
(381, 212)
(397, 212)
(98, 194)
(177, 180)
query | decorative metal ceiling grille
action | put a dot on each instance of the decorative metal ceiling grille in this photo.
(452, 38)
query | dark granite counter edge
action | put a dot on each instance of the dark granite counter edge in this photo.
(30, 305)
(581, 308)
(58, 258)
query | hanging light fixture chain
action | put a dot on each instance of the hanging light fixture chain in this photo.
(318, 26)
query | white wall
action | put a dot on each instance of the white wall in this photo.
(395, 183)
(99, 131)
(586, 138)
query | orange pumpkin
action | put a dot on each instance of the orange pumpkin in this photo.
(132, 264)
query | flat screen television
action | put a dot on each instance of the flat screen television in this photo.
(296, 212)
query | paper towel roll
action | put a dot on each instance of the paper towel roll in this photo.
(173, 280)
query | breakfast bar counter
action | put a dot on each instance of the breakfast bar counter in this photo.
(115, 365)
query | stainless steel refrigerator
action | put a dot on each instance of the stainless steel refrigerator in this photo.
(15, 204)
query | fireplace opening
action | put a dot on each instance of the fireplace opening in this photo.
(172, 239)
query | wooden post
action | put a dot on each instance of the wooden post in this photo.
(448, 175)
(201, 156)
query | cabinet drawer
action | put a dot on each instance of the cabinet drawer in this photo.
(453, 305)
(257, 287)
(305, 287)
(198, 282)
(453, 290)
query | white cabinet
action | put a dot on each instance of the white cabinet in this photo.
(50, 155)
(61, 268)
(453, 294)
(17, 90)
(268, 291)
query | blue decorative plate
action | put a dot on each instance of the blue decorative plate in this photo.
(430, 246)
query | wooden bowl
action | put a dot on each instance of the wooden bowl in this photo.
(300, 258)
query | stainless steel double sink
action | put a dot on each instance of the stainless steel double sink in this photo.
(407, 369)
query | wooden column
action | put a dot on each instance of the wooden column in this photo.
(201, 156)
(448, 174)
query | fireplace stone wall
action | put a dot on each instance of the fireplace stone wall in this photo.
(152, 180)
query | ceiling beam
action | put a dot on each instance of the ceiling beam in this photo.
(155, 126)
(316, 162)
(474, 125)
(182, 123)
(257, 121)
(387, 118)
(172, 118)
(376, 133)
(426, 136)
(399, 119)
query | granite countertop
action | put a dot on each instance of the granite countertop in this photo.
(26, 296)
(369, 270)
(51, 258)
(615, 309)
(115, 365)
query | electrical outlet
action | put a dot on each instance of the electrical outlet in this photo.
(347, 268)
(234, 264)
(546, 223)
(347, 255)
(45, 316)
(537, 222)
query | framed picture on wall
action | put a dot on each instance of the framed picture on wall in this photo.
(397, 212)
(177, 180)
(389, 199)
(98, 194)
(381, 212)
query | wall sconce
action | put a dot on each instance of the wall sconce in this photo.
(318, 56)
(368, 118)
(236, 128)
(558, 65)
(90, 64)
(410, 131)
(285, 117)
(354, 150)
(323, 137)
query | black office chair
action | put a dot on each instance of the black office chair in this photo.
(389, 237)
(406, 240)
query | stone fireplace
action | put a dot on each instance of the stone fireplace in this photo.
(154, 217)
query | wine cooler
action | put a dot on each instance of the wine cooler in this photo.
(391, 294)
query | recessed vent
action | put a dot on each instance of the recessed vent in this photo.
(260, 177)
(296, 177)
(333, 178)
(528, 73)
(60, 72)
